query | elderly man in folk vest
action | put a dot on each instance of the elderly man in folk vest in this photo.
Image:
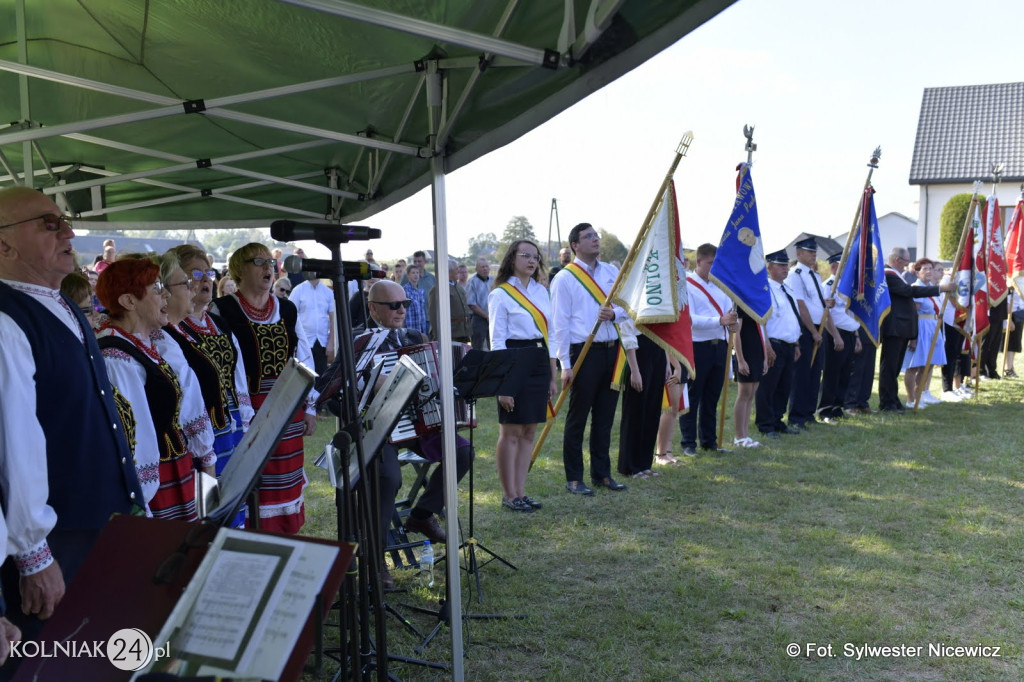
(65, 465)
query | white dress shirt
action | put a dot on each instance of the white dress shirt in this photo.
(574, 311)
(315, 304)
(804, 284)
(706, 319)
(783, 324)
(509, 320)
(840, 315)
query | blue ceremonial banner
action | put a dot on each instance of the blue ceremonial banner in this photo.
(862, 281)
(739, 268)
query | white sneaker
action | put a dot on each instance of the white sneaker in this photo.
(965, 391)
(927, 397)
(952, 397)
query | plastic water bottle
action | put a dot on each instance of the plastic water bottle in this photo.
(427, 565)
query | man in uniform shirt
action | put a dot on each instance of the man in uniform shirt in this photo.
(65, 466)
(838, 361)
(806, 288)
(783, 332)
(713, 317)
(574, 311)
(477, 290)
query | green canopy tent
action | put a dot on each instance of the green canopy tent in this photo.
(184, 114)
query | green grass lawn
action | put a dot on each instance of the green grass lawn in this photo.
(881, 531)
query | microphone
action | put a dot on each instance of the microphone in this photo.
(328, 268)
(290, 231)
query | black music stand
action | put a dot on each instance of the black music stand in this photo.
(484, 375)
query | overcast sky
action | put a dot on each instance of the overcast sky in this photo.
(823, 83)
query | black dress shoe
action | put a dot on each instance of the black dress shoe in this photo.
(532, 502)
(429, 527)
(609, 483)
(578, 488)
(789, 430)
(771, 434)
(690, 452)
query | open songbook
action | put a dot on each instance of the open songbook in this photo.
(243, 610)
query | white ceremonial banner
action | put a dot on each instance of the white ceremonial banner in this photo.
(650, 289)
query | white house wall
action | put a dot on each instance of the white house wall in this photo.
(934, 198)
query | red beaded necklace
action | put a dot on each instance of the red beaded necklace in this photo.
(206, 324)
(150, 351)
(257, 314)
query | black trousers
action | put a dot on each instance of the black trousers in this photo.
(704, 391)
(481, 333)
(836, 378)
(862, 374)
(319, 357)
(590, 394)
(803, 401)
(893, 350)
(641, 410)
(431, 499)
(992, 342)
(958, 358)
(772, 394)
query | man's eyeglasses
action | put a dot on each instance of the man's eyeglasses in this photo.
(530, 256)
(87, 310)
(589, 235)
(260, 262)
(51, 221)
(197, 275)
(394, 305)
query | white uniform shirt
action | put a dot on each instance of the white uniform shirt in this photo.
(840, 316)
(315, 304)
(574, 311)
(805, 285)
(705, 317)
(509, 320)
(783, 324)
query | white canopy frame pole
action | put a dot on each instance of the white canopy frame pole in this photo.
(529, 55)
(212, 107)
(435, 106)
(186, 164)
(28, 176)
(484, 63)
(187, 193)
(599, 16)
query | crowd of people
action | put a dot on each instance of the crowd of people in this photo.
(162, 363)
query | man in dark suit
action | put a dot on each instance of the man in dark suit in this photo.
(899, 327)
(387, 305)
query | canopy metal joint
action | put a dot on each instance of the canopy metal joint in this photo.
(194, 106)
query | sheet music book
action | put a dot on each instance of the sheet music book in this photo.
(243, 610)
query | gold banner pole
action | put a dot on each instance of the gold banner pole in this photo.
(681, 149)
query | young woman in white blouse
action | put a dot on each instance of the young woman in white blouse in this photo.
(519, 309)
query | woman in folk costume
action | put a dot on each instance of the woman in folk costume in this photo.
(171, 426)
(211, 353)
(229, 405)
(915, 377)
(268, 334)
(518, 309)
